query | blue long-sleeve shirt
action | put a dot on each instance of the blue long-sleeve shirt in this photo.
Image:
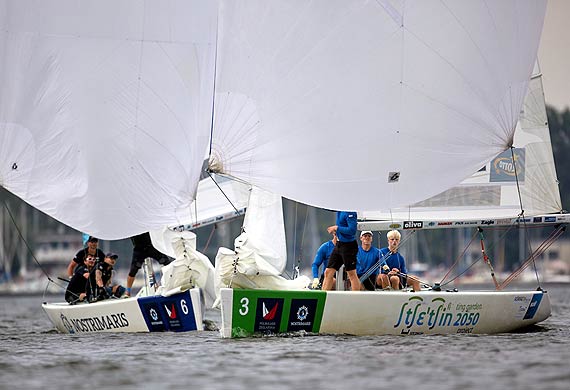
(346, 222)
(394, 260)
(322, 257)
(366, 259)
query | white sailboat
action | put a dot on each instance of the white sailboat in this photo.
(107, 109)
(485, 200)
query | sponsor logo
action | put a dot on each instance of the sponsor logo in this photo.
(503, 168)
(153, 317)
(521, 220)
(413, 224)
(458, 223)
(472, 223)
(488, 222)
(268, 315)
(172, 317)
(302, 315)
(170, 312)
(393, 177)
(443, 223)
(503, 221)
(537, 219)
(431, 224)
(551, 219)
(437, 313)
(94, 324)
(561, 218)
(66, 324)
(395, 226)
(533, 307)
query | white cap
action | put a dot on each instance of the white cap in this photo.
(366, 232)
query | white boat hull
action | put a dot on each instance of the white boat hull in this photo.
(178, 312)
(248, 312)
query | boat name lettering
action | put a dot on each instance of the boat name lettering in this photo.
(438, 312)
(96, 324)
(413, 224)
(410, 333)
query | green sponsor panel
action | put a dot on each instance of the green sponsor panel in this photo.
(272, 312)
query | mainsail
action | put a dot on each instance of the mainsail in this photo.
(106, 108)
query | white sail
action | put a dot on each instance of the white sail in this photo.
(106, 107)
(370, 104)
(492, 192)
(265, 227)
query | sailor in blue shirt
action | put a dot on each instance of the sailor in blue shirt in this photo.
(395, 274)
(368, 255)
(322, 257)
(345, 250)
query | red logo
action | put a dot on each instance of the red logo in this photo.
(171, 312)
(269, 315)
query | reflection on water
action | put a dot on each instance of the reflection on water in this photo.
(33, 355)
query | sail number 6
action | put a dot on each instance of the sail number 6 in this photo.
(244, 306)
(184, 306)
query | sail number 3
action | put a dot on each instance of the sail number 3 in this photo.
(244, 306)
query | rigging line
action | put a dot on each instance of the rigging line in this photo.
(294, 240)
(540, 250)
(222, 191)
(477, 260)
(210, 237)
(300, 257)
(196, 209)
(214, 89)
(28, 245)
(458, 258)
(527, 236)
(486, 258)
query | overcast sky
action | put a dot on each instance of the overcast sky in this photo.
(554, 54)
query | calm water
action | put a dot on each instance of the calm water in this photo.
(33, 355)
